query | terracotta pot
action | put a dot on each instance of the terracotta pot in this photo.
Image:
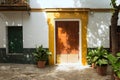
(102, 70)
(93, 65)
(41, 64)
(116, 78)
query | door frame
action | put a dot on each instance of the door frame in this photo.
(80, 36)
(7, 52)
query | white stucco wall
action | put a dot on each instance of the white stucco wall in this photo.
(98, 24)
(70, 3)
(35, 29)
(98, 29)
(2, 33)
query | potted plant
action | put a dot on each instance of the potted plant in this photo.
(101, 60)
(115, 63)
(41, 55)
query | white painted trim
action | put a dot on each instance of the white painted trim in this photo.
(80, 37)
(6, 40)
(80, 43)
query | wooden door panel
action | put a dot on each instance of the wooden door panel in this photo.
(67, 39)
(15, 39)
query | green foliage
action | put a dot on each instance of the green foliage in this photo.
(113, 3)
(97, 56)
(115, 63)
(41, 54)
(100, 57)
(90, 56)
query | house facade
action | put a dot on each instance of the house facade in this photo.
(67, 29)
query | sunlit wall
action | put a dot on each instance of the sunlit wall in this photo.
(35, 29)
(98, 29)
(70, 3)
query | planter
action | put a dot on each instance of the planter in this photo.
(116, 78)
(102, 70)
(41, 64)
(41, 56)
(93, 65)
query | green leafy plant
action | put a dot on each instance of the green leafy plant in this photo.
(91, 54)
(100, 57)
(101, 61)
(41, 54)
(115, 63)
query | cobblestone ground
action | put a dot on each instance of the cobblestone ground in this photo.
(57, 72)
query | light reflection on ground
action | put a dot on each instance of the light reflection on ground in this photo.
(69, 66)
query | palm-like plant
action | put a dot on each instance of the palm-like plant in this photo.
(115, 63)
(41, 54)
(100, 57)
(91, 54)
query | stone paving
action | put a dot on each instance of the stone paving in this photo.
(57, 72)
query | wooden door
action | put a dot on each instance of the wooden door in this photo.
(15, 39)
(67, 41)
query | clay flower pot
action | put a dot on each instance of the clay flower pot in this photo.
(41, 64)
(102, 70)
(116, 77)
